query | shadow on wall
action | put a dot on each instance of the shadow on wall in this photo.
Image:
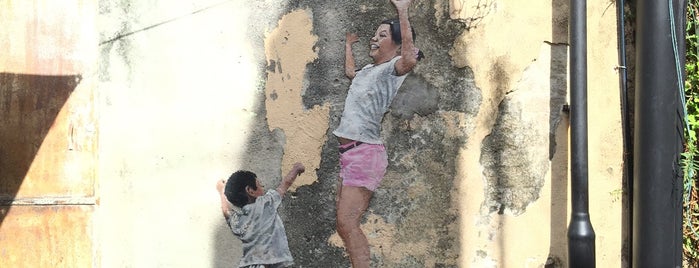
(558, 254)
(227, 248)
(29, 105)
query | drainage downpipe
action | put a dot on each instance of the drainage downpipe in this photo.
(581, 236)
(658, 134)
(627, 137)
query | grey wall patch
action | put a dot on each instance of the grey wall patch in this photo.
(516, 154)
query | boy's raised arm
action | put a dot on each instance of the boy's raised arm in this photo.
(289, 179)
(225, 205)
(408, 58)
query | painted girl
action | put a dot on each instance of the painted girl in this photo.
(363, 158)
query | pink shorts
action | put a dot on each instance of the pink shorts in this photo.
(364, 165)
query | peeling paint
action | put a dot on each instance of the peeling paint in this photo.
(291, 47)
(515, 155)
(499, 75)
(389, 246)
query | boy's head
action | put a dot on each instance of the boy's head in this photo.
(242, 188)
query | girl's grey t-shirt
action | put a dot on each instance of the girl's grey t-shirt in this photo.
(370, 94)
(262, 232)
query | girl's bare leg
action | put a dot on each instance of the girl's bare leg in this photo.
(351, 205)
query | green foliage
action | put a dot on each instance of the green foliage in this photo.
(690, 156)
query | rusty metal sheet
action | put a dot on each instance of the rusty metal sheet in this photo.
(48, 37)
(47, 236)
(47, 119)
(48, 133)
(47, 137)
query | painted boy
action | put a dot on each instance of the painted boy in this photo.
(253, 218)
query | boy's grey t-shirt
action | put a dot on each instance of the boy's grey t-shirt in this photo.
(370, 94)
(262, 232)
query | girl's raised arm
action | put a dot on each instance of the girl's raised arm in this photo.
(350, 39)
(408, 59)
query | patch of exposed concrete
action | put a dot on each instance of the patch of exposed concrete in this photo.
(417, 98)
(516, 153)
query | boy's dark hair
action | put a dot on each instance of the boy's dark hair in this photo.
(394, 25)
(235, 187)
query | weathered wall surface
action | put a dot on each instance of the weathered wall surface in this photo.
(522, 134)
(48, 142)
(190, 91)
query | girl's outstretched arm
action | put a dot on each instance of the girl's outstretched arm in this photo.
(408, 59)
(350, 39)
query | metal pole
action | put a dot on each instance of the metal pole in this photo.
(581, 236)
(627, 179)
(657, 201)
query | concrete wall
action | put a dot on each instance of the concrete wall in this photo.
(187, 92)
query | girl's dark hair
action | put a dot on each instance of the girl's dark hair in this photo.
(394, 24)
(235, 187)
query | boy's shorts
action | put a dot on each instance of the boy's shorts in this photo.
(363, 164)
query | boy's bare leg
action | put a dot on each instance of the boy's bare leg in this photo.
(351, 205)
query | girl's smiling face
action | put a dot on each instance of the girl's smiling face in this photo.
(381, 46)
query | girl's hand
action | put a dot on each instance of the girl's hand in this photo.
(351, 38)
(401, 4)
